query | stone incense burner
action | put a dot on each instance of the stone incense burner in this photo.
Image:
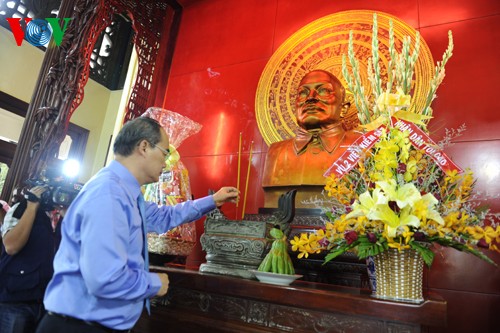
(235, 247)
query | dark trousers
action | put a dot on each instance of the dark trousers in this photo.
(20, 317)
(53, 323)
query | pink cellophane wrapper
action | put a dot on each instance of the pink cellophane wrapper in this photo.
(177, 126)
(173, 186)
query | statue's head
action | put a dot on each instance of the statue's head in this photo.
(320, 99)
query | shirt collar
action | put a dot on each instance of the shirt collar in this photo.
(329, 139)
(127, 179)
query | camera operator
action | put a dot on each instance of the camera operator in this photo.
(31, 234)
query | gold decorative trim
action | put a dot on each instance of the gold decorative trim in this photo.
(320, 45)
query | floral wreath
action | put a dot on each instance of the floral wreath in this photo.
(395, 187)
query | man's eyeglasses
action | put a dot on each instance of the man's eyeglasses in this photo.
(166, 152)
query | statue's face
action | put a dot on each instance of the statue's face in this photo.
(318, 101)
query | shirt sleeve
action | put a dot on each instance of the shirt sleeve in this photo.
(9, 221)
(162, 219)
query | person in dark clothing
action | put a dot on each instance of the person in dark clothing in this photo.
(31, 235)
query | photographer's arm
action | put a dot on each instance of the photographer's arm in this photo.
(16, 238)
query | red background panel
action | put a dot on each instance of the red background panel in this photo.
(483, 158)
(293, 15)
(209, 27)
(436, 12)
(455, 270)
(222, 100)
(216, 174)
(222, 49)
(469, 312)
(467, 95)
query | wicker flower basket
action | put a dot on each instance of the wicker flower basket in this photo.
(399, 275)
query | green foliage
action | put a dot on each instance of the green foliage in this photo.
(424, 251)
(339, 249)
(461, 247)
(368, 249)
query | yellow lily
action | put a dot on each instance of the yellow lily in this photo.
(367, 203)
(432, 214)
(391, 220)
(405, 195)
(392, 104)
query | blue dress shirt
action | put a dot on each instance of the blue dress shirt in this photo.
(99, 272)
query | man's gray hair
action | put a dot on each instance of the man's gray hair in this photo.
(133, 132)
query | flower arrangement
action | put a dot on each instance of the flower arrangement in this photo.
(394, 187)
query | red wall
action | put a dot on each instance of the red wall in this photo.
(236, 39)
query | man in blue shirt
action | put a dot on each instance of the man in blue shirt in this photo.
(100, 283)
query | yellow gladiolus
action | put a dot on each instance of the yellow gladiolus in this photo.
(393, 102)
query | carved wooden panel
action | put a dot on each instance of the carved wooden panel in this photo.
(272, 316)
(199, 302)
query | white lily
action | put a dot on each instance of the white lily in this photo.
(404, 195)
(392, 220)
(367, 203)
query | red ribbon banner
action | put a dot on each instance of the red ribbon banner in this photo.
(351, 156)
(422, 141)
(418, 138)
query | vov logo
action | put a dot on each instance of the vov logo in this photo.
(38, 31)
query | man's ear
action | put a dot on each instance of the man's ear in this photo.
(345, 108)
(142, 146)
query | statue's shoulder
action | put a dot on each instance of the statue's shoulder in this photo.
(352, 135)
(280, 145)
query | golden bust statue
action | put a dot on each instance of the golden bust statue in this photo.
(300, 162)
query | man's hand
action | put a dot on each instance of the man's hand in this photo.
(35, 194)
(226, 194)
(16, 238)
(164, 284)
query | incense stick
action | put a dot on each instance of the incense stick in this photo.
(246, 183)
(239, 168)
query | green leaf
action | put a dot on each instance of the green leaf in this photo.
(424, 251)
(330, 216)
(366, 249)
(462, 247)
(335, 252)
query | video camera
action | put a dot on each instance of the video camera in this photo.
(58, 193)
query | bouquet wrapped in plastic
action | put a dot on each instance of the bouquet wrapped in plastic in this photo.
(173, 186)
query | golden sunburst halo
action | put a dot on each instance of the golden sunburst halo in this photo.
(320, 45)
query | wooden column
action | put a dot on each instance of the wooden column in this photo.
(65, 72)
(48, 112)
